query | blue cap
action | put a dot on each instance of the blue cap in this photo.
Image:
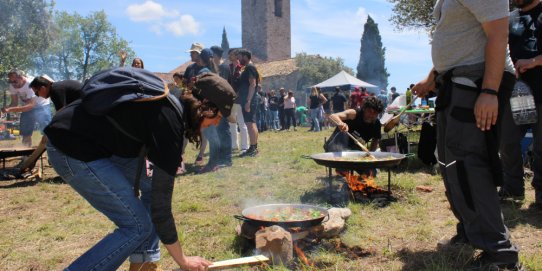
(206, 55)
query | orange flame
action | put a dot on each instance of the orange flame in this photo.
(302, 255)
(362, 183)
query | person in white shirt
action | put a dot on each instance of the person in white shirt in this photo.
(33, 109)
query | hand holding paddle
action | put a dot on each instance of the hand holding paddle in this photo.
(395, 120)
(368, 153)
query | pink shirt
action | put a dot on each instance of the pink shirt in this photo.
(289, 102)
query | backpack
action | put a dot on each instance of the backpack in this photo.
(109, 88)
(215, 89)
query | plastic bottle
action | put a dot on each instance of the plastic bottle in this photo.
(522, 104)
(408, 97)
(424, 102)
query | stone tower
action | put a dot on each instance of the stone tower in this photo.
(266, 29)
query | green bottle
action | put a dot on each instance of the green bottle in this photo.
(408, 97)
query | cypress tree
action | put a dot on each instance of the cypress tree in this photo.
(225, 44)
(371, 67)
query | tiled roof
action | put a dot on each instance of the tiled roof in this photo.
(181, 68)
(268, 69)
(277, 68)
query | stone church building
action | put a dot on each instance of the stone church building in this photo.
(266, 32)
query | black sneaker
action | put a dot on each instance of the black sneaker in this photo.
(249, 153)
(484, 262)
(456, 240)
(505, 195)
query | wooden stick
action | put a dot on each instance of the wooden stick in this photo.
(355, 140)
(395, 120)
(30, 162)
(258, 259)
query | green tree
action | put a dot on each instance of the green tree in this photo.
(315, 68)
(371, 66)
(415, 14)
(225, 44)
(82, 46)
(25, 31)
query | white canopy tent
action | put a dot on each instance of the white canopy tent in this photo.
(345, 81)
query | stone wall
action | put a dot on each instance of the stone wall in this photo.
(265, 32)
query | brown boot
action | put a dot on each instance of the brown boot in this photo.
(146, 266)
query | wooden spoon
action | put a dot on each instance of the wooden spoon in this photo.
(395, 120)
(368, 153)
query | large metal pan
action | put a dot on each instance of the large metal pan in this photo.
(254, 215)
(333, 160)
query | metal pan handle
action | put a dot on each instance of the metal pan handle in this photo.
(241, 218)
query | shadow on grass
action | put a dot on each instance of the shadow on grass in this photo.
(19, 183)
(243, 246)
(415, 165)
(442, 259)
(332, 194)
(514, 216)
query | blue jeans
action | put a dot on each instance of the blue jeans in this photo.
(224, 137)
(211, 135)
(274, 119)
(107, 184)
(316, 115)
(39, 114)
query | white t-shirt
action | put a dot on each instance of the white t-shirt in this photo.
(289, 102)
(25, 93)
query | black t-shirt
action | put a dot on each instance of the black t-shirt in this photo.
(360, 128)
(314, 101)
(525, 40)
(244, 82)
(88, 137)
(65, 92)
(273, 103)
(338, 101)
(281, 101)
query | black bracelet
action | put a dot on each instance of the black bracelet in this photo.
(489, 91)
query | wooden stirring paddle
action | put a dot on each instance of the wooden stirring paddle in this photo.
(395, 120)
(368, 153)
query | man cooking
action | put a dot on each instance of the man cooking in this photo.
(362, 123)
(34, 109)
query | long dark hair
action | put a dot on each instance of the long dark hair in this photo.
(192, 118)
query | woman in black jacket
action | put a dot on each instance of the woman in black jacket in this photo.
(99, 155)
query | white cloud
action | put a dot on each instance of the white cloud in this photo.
(148, 11)
(161, 19)
(361, 15)
(186, 24)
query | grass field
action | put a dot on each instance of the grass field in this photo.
(44, 225)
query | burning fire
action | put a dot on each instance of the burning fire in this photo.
(365, 184)
(302, 255)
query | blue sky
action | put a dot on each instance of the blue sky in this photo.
(160, 31)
